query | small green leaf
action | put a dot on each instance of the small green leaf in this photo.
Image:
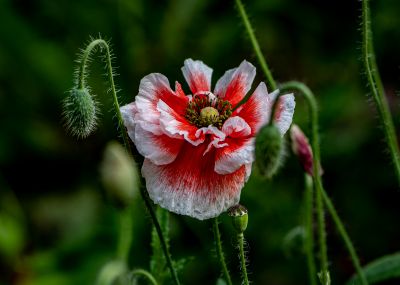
(383, 268)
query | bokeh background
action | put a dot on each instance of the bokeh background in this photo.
(56, 224)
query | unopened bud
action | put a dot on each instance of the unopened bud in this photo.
(302, 149)
(239, 218)
(119, 174)
(269, 150)
(79, 111)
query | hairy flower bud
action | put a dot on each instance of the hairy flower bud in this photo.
(302, 149)
(119, 174)
(239, 218)
(79, 111)
(269, 150)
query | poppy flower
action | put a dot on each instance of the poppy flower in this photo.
(199, 148)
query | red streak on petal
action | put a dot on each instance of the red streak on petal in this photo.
(178, 90)
(192, 172)
(198, 82)
(235, 90)
(167, 144)
(251, 113)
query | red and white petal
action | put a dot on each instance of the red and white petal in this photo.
(197, 75)
(190, 186)
(235, 83)
(284, 113)
(159, 149)
(155, 87)
(128, 113)
(257, 110)
(239, 147)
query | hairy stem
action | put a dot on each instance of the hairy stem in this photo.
(312, 104)
(81, 84)
(146, 274)
(376, 87)
(82, 81)
(220, 253)
(256, 46)
(160, 235)
(125, 234)
(309, 229)
(321, 194)
(242, 258)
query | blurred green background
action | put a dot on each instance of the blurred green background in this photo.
(57, 225)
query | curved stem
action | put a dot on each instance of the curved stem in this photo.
(125, 234)
(321, 194)
(255, 45)
(242, 258)
(377, 89)
(312, 104)
(309, 229)
(144, 273)
(82, 77)
(220, 253)
(124, 134)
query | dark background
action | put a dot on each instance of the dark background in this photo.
(57, 225)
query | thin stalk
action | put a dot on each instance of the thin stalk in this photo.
(321, 194)
(313, 109)
(160, 234)
(377, 90)
(125, 234)
(220, 253)
(242, 258)
(146, 274)
(345, 237)
(309, 229)
(256, 46)
(81, 83)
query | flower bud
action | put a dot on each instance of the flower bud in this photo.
(269, 150)
(79, 111)
(239, 218)
(302, 149)
(119, 174)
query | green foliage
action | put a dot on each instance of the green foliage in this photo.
(381, 269)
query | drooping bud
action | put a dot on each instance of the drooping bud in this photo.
(119, 174)
(302, 149)
(79, 111)
(269, 150)
(239, 218)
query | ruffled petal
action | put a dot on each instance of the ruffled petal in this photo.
(155, 87)
(239, 147)
(190, 186)
(235, 83)
(257, 110)
(284, 114)
(159, 149)
(197, 75)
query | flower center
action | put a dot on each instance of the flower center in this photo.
(206, 109)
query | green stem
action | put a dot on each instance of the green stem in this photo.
(312, 104)
(309, 229)
(160, 235)
(220, 253)
(377, 89)
(144, 273)
(125, 234)
(321, 194)
(124, 134)
(242, 258)
(345, 237)
(256, 46)
(82, 81)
